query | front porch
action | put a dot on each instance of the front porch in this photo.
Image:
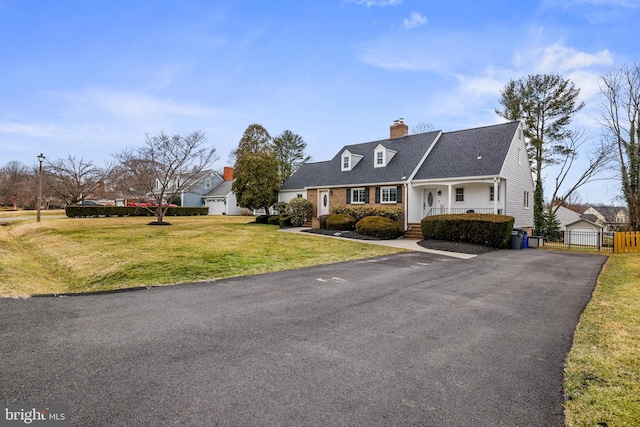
(451, 211)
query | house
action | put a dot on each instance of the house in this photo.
(579, 229)
(481, 170)
(612, 218)
(192, 194)
(221, 200)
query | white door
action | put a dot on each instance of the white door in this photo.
(428, 201)
(323, 195)
(216, 206)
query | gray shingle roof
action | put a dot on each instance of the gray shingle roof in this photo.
(221, 189)
(409, 151)
(456, 153)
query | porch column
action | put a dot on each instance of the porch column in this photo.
(448, 198)
(495, 195)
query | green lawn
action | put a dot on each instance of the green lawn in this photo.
(61, 255)
(602, 379)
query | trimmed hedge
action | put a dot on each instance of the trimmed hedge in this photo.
(262, 219)
(285, 221)
(378, 226)
(273, 220)
(341, 222)
(482, 229)
(361, 212)
(93, 211)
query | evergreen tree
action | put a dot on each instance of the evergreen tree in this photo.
(256, 181)
(289, 150)
(545, 104)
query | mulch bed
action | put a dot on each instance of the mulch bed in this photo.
(441, 245)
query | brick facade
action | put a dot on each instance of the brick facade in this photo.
(338, 197)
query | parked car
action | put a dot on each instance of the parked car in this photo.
(88, 203)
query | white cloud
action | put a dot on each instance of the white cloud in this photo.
(558, 58)
(414, 20)
(370, 3)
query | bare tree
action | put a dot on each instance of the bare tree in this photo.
(598, 160)
(72, 179)
(421, 127)
(621, 122)
(16, 184)
(165, 165)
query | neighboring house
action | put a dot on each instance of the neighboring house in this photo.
(484, 170)
(192, 194)
(222, 201)
(612, 218)
(579, 229)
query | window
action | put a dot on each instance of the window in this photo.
(380, 158)
(526, 200)
(491, 195)
(207, 183)
(346, 160)
(459, 194)
(299, 196)
(358, 195)
(389, 194)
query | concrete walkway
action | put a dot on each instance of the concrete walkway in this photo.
(402, 243)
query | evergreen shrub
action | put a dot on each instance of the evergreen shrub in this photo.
(342, 222)
(482, 229)
(378, 226)
(262, 219)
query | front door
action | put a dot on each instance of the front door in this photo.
(324, 202)
(428, 201)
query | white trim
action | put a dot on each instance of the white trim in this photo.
(363, 193)
(415, 171)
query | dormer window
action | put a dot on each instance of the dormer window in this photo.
(349, 160)
(382, 156)
(346, 162)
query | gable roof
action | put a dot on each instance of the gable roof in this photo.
(221, 190)
(409, 151)
(455, 154)
(472, 152)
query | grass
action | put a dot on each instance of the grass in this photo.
(62, 255)
(602, 378)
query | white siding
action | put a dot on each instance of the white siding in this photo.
(517, 172)
(288, 195)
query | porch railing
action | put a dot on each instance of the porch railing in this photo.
(446, 211)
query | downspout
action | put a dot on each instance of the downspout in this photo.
(495, 195)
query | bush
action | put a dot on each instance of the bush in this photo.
(284, 221)
(274, 220)
(298, 211)
(361, 212)
(482, 229)
(262, 219)
(342, 222)
(378, 226)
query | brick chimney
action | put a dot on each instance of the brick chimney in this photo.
(228, 173)
(399, 129)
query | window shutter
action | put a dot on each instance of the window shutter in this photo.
(399, 195)
(377, 194)
(366, 194)
(348, 196)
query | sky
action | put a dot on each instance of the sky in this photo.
(90, 78)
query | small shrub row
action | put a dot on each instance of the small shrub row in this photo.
(360, 212)
(376, 226)
(482, 229)
(93, 211)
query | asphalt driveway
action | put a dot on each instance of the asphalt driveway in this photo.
(408, 339)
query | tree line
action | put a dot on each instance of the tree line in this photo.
(158, 170)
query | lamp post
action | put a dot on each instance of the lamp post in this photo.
(41, 157)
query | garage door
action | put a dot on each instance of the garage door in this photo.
(216, 206)
(584, 236)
